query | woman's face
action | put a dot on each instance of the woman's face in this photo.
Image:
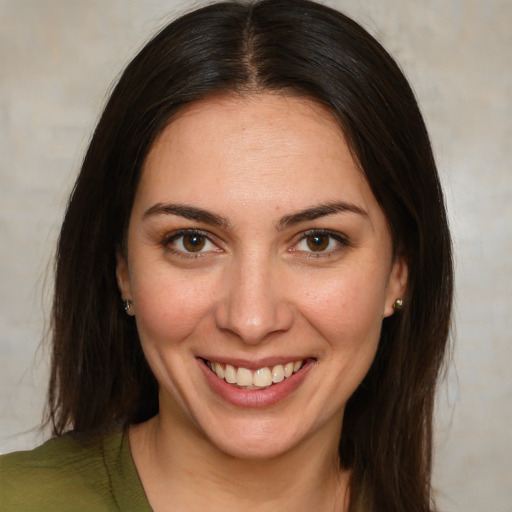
(260, 268)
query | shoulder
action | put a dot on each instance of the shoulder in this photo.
(66, 473)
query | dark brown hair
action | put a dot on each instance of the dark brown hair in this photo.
(293, 47)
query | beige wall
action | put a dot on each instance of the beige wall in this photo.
(57, 59)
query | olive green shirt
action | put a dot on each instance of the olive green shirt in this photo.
(73, 474)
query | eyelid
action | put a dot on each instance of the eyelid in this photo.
(340, 238)
(171, 237)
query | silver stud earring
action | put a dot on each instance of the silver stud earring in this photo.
(127, 305)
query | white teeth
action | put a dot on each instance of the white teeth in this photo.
(230, 374)
(258, 379)
(278, 373)
(244, 377)
(262, 378)
(219, 370)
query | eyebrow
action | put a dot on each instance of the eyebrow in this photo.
(319, 211)
(202, 215)
(188, 212)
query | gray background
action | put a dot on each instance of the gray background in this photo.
(57, 60)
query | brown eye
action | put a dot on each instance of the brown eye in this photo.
(190, 243)
(318, 242)
(194, 242)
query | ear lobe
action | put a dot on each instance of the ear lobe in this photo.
(123, 277)
(397, 285)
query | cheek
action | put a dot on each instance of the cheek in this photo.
(169, 307)
(347, 309)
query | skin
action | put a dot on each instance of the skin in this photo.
(257, 291)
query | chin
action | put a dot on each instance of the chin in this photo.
(254, 447)
(258, 440)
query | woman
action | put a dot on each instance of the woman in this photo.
(253, 281)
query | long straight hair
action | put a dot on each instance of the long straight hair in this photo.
(298, 47)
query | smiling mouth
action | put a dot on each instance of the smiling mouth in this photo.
(261, 378)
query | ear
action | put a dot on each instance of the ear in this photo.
(123, 282)
(397, 284)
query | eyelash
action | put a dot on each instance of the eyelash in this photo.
(168, 240)
(340, 239)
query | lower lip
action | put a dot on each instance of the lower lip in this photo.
(257, 397)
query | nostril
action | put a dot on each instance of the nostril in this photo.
(251, 305)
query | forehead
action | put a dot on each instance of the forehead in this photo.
(229, 120)
(253, 149)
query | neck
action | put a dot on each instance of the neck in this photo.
(183, 471)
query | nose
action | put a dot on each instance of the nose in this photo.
(253, 301)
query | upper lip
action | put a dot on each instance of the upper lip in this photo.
(255, 364)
